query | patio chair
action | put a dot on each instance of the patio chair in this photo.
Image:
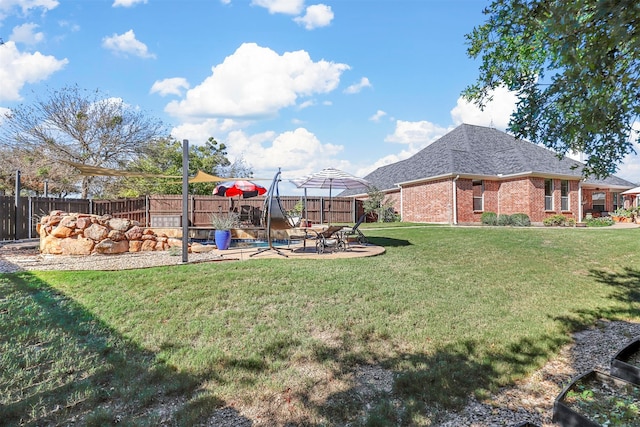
(361, 238)
(332, 237)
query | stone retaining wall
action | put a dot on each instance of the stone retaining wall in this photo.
(84, 234)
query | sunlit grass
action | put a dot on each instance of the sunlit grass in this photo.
(451, 311)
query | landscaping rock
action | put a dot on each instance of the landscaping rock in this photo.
(84, 234)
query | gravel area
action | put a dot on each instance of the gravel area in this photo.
(529, 400)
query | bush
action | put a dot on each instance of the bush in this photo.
(504, 219)
(520, 220)
(559, 221)
(600, 222)
(489, 218)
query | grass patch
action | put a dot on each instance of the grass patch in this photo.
(450, 311)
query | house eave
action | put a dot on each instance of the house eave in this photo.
(504, 177)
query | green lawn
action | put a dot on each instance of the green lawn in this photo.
(450, 311)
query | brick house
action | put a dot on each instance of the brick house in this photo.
(475, 169)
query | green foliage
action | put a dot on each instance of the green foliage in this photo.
(604, 221)
(489, 218)
(378, 203)
(574, 66)
(520, 220)
(504, 219)
(559, 220)
(225, 222)
(165, 157)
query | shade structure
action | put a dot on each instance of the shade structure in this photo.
(635, 190)
(246, 189)
(331, 178)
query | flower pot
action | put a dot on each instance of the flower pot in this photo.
(595, 399)
(223, 239)
(626, 363)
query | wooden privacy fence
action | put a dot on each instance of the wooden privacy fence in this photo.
(19, 216)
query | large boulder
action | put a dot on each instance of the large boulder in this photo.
(119, 224)
(79, 246)
(108, 246)
(96, 232)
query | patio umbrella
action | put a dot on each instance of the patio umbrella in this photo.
(331, 178)
(246, 189)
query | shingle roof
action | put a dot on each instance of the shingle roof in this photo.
(479, 151)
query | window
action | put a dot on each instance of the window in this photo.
(478, 195)
(564, 195)
(617, 201)
(548, 194)
(598, 199)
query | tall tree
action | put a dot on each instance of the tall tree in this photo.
(575, 66)
(35, 171)
(82, 126)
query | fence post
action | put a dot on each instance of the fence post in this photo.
(16, 206)
(30, 220)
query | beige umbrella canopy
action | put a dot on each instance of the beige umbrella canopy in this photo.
(331, 178)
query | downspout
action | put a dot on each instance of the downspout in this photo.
(580, 201)
(455, 200)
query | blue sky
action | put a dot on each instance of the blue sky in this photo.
(352, 84)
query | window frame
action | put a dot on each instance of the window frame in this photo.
(565, 191)
(548, 195)
(480, 183)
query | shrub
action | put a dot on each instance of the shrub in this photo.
(504, 219)
(600, 222)
(555, 220)
(520, 220)
(489, 218)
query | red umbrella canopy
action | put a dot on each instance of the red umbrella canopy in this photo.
(245, 189)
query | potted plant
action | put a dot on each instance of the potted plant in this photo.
(223, 225)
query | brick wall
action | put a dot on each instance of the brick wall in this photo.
(428, 202)
(432, 201)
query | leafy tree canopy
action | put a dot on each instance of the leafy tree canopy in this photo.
(575, 66)
(165, 157)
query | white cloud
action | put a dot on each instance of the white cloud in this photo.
(172, 86)
(225, 1)
(357, 87)
(126, 44)
(316, 16)
(289, 7)
(127, 3)
(26, 34)
(377, 116)
(417, 134)
(7, 6)
(257, 82)
(386, 160)
(496, 113)
(297, 152)
(72, 26)
(18, 69)
(291, 150)
(306, 104)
